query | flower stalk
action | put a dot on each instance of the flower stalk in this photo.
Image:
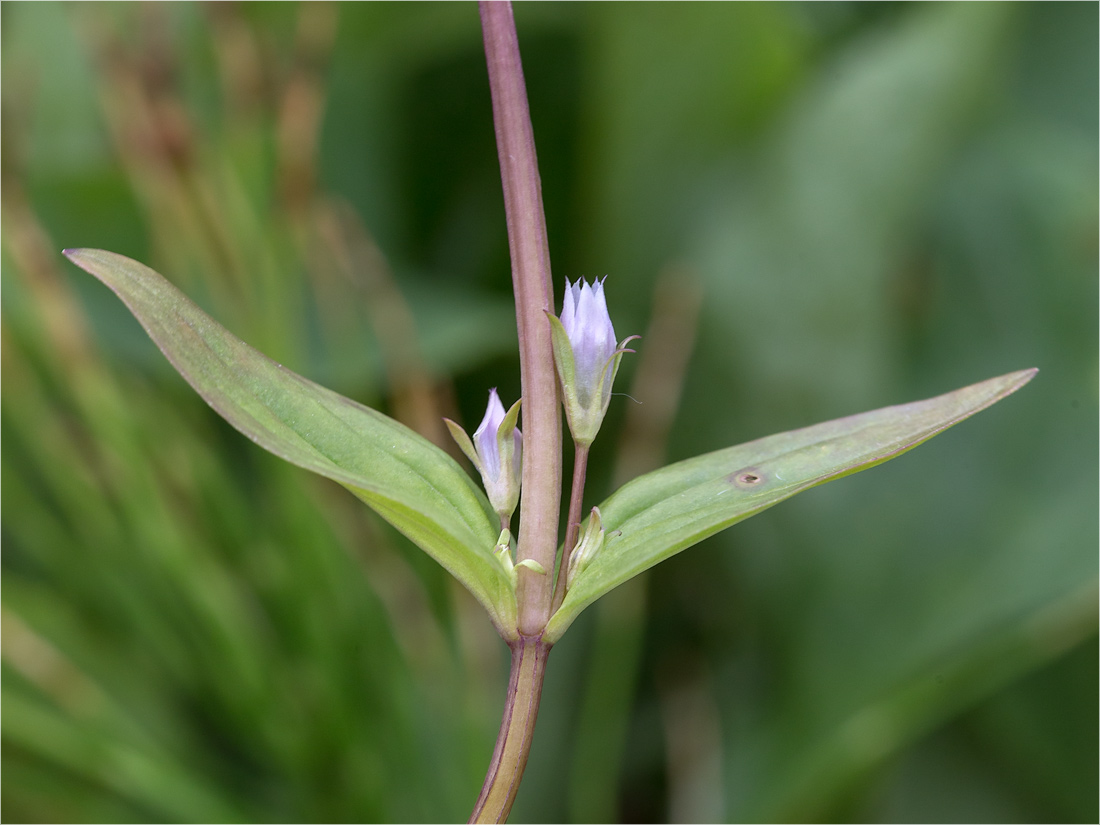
(572, 523)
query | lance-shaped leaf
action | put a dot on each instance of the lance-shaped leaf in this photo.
(409, 481)
(661, 513)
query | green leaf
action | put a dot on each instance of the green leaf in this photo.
(661, 513)
(409, 481)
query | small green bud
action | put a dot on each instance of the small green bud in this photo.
(503, 550)
(503, 553)
(589, 545)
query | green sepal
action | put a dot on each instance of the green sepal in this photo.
(506, 444)
(563, 359)
(506, 448)
(464, 443)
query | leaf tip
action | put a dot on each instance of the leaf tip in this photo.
(77, 255)
(1022, 377)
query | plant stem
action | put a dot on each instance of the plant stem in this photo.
(541, 483)
(521, 708)
(573, 521)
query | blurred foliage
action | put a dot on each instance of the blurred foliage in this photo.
(842, 206)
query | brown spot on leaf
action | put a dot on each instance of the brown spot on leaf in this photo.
(747, 479)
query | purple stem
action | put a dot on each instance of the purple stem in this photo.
(541, 500)
(541, 484)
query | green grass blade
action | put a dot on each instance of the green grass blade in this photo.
(661, 513)
(413, 484)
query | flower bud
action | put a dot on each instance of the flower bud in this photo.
(589, 545)
(497, 452)
(503, 554)
(586, 356)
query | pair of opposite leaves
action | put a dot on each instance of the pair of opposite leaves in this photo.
(427, 496)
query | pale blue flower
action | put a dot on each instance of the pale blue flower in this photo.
(591, 334)
(586, 356)
(497, 452)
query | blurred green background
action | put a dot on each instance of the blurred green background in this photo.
(808, 210)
